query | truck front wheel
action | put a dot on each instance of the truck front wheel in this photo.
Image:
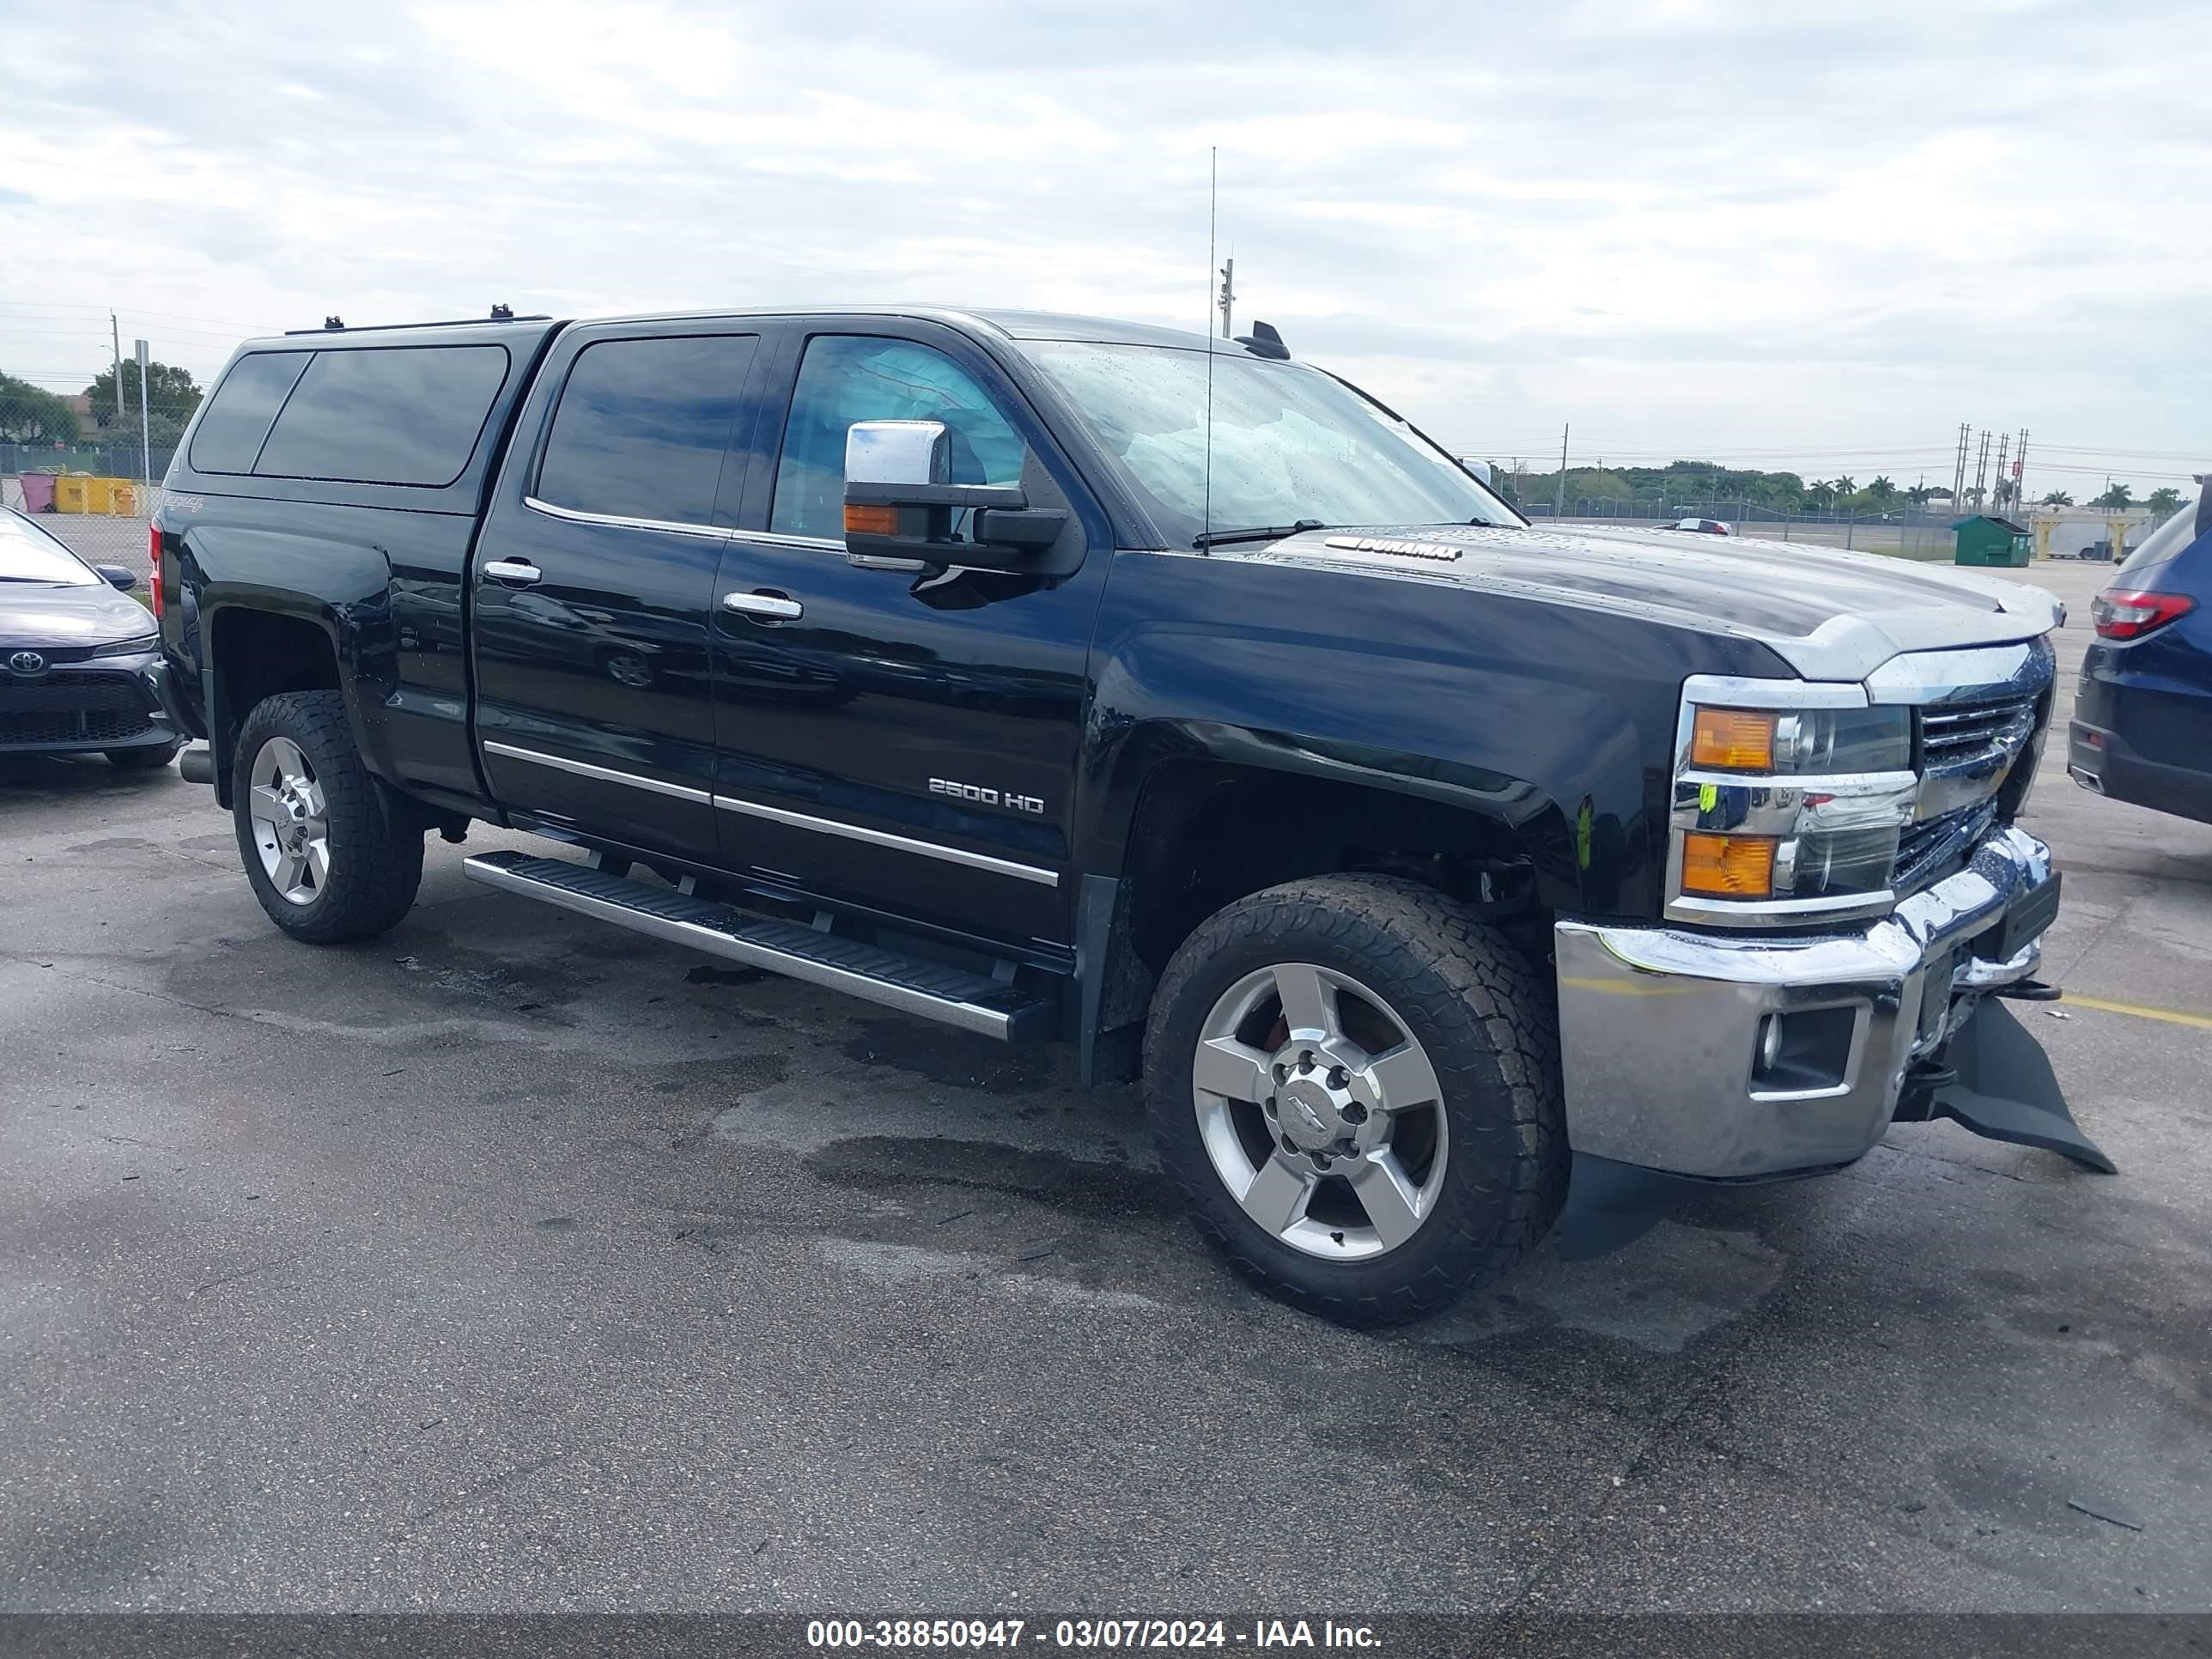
(1355, 1083)
(329, 859)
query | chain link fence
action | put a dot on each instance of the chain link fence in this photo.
(115, 459)
(88, 484)
(109, 537)
(1910, 533)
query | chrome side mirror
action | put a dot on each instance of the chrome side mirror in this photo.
(898, 453)
(900, 504)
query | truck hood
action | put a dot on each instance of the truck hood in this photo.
(1829, 614)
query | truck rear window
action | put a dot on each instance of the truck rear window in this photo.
(236, 423)
(390, 414)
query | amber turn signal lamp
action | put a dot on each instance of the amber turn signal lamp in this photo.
(1727, 867)
(1734, 739)
(871, 521)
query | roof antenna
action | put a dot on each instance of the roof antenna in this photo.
(1264, 341)
(1213, 205)
(502, 313)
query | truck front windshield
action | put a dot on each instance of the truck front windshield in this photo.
(1289, 443)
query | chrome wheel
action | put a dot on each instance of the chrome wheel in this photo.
(291, 821)
(1320, 1111)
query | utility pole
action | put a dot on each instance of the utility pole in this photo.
(115, 335)
(1959, 473)
(1982, 473)
(145, 427)
(2019, 472)
(2005, 446)
(1559, 506)
(1228, 291)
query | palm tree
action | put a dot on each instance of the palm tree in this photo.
(2119, 498)
(1820, 492)
(1882, 490)
(2164, 499)
(1918, 494)
(2058, 498)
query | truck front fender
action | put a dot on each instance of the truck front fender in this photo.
(1557, 761)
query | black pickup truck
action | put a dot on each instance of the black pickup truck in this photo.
(1061, 679)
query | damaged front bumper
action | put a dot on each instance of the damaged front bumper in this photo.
(1734, 1057)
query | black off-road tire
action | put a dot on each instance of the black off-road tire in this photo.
(143, 760)
(1489, 1024)
(376, 846)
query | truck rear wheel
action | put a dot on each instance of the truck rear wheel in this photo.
(1355, 1083)
(329, 858)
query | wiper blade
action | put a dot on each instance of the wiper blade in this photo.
(1257, 532)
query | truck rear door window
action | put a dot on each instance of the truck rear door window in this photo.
(643, 427)
(390, 414)
(236, 421)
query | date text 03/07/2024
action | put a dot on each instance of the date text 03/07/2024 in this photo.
(1140, 1634)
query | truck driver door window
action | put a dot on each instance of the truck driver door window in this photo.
(849, 378)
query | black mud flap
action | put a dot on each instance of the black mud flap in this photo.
(1611, 1205)
(2006, 1091)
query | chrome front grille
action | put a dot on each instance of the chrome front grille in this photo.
(1961, 733)
(1977, 726)
(1936, 847)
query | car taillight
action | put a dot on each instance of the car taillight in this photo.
(153, 561)
(2122, 613)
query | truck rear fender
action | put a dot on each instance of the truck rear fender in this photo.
(261, 631)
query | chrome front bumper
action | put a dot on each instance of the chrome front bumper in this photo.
(1660, 1027)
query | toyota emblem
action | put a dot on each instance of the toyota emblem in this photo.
(27, 662)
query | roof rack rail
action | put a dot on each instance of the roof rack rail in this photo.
(333, 324)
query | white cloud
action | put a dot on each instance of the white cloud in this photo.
(1699, 227)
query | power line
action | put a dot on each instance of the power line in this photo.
(97, 312)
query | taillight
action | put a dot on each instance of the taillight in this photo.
(2122, 613)
(153, 561)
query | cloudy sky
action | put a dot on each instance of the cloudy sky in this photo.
(1811, 235)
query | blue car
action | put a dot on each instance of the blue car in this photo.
(2143, 715)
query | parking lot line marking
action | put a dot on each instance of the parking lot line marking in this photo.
(2171, 1016)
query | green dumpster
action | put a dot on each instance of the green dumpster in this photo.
(1982, 539)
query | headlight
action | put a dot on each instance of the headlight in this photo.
(1782, 812)
(1813, 865)
(135, 643)
(1798, 741)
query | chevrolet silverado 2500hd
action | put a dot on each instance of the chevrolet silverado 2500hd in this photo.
(1053, 678)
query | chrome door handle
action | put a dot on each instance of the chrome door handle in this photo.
(520, 572)
(773, 605)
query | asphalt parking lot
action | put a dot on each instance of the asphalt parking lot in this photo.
(512, 1261)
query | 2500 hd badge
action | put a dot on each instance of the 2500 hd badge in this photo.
(986, 797)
